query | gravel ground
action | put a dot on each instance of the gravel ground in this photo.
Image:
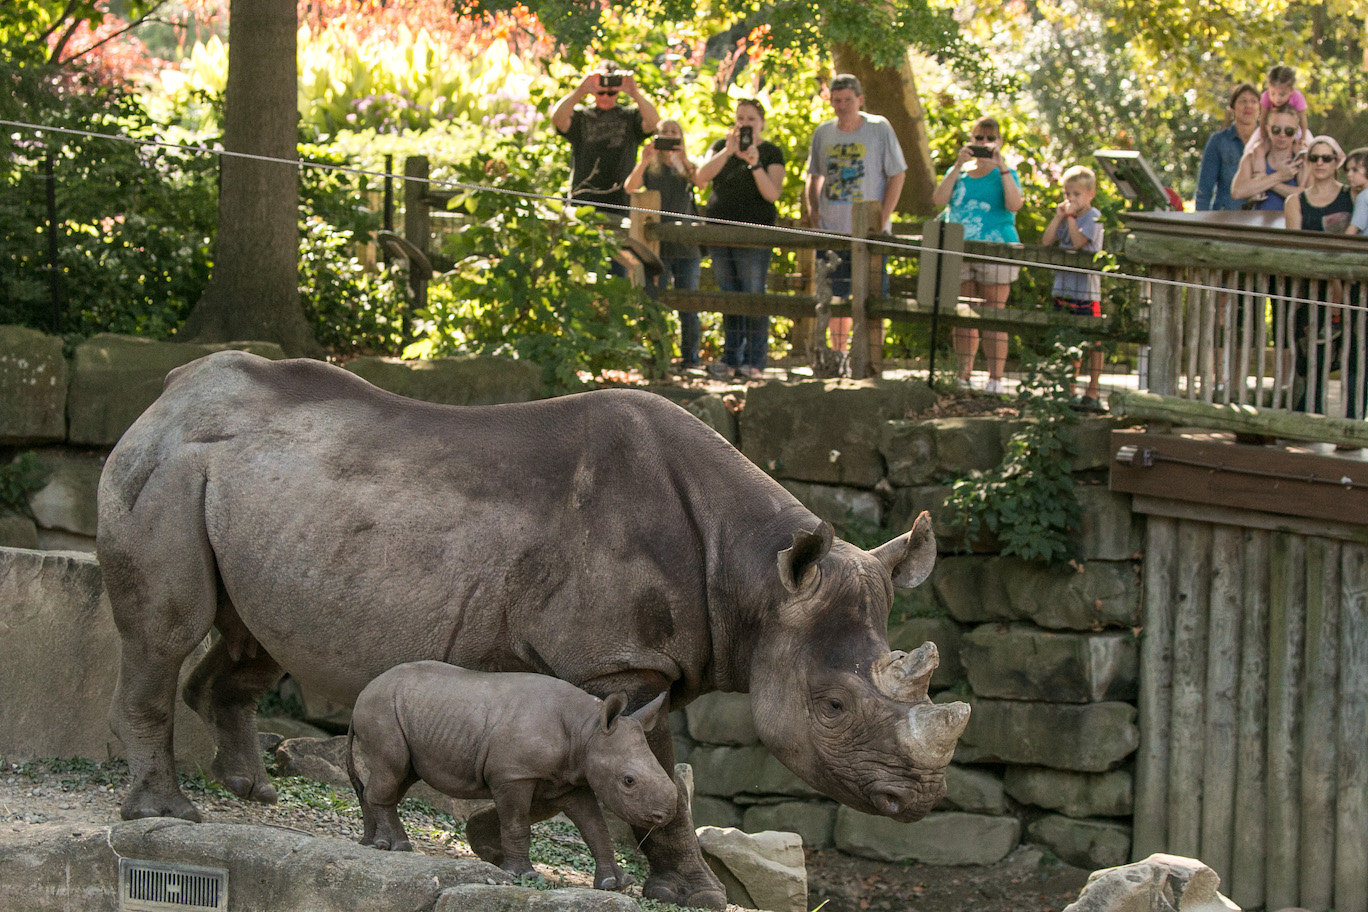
(81, 793)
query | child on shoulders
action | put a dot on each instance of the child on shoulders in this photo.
(1077, 225)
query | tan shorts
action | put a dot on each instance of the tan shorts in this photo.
(985, 273)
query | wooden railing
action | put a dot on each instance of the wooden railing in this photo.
(1244, 312)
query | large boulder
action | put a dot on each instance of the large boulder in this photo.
(268, 868)
(1082, 597)
(1023, 662)
(949, 838)
(1160, 883)
(838, 505)
(759, 870)
(728, 772)
(1109, 794)
(454, 381)
(59, 662)
(1091, 738)
(1089, 844)
(33, 387)
(492, 898)
(826, 431)
(66, 502)
(115, 378)
(814, 821)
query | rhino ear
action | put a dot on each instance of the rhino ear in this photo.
(651, 714)
(910, 558)
(798, 560)
(611, 709)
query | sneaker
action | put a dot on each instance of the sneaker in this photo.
(720, 369)
(1089, 404)
(750, 372)
(962, 383)
(995, 388)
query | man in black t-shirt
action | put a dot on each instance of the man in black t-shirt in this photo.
(604, 136)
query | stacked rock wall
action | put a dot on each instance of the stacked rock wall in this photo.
(1047, 657)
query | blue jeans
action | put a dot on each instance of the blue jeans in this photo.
(681, 274)
(745, 338)
(840, 276)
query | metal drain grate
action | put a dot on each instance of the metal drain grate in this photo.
(155, 886)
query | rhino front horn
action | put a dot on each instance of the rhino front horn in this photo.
(906, 676)
(932, 733)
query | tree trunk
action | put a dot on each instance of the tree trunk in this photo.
(892, 92)
(254, 292)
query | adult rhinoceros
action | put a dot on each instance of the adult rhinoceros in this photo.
(333, 530)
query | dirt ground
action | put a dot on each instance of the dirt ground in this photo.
(81, 794)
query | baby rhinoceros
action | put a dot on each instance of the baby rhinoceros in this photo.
(535, 744)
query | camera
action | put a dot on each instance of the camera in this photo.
(745, 138)
(666, 143)
(610, 80)
(981, 151)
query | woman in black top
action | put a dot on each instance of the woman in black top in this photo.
(747, 176)
(1323, 204)
(666, 168)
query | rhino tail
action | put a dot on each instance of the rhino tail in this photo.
(351, 764)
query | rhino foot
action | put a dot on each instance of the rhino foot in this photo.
(142, 803)
(250, 789)
(485, 837)
(673, 887)
(615, 880)
(401, 845)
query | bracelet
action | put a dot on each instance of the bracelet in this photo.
(756, 167)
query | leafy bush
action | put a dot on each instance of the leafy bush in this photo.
(1028, 501)
(18, 479)
(531, 279)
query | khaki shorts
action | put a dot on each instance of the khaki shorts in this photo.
(988, 273)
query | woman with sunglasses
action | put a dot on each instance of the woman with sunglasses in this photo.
(1270, 171)
(1323, 204)
(982, 193)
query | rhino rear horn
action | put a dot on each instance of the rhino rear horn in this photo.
(906, 676)
(799, 559)
(910, 557)
(611, 709)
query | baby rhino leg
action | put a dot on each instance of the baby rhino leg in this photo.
(388, 777)
(513, 803)
(582, 807)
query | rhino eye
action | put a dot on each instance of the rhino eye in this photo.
(629, 781)
(835, 705)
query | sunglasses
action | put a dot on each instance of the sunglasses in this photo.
(1283, 131)
(1320, 159)
(606, 92)
(980, 138)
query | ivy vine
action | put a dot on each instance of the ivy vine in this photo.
(1028, 501)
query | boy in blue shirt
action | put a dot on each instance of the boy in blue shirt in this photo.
(1076, 226)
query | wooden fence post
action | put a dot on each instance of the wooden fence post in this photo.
(417, 219)
(860, 224)
(641, 230)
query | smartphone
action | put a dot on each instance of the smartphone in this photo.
(1300, 156)
(610, 80)
(745, 137)
(981, 151)
(666, 143)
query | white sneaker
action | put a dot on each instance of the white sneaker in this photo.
(962, 383)
(995, 387)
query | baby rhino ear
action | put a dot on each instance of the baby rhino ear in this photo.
(612, 708)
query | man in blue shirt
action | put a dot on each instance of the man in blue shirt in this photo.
(1221, 157)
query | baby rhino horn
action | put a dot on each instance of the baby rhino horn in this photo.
(906, 676)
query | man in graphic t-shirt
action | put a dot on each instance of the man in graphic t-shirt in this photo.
(853, 158)
(604, 135)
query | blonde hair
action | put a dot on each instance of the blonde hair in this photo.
(1081, 174)
(659, 163)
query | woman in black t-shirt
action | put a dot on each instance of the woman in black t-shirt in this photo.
(747, 176)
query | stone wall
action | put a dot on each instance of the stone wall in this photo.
(1046, 657)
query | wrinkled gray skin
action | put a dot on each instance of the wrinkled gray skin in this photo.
(534, 744)
(609, 539)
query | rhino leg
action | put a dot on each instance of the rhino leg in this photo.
(160, 575)
(678, 872)
(224, 689)
(513, 803)
(482, 831)
(389, 776)
(583, 809)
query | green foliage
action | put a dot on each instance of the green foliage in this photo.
(1028, 501)
(531, 279)
(18, 479)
